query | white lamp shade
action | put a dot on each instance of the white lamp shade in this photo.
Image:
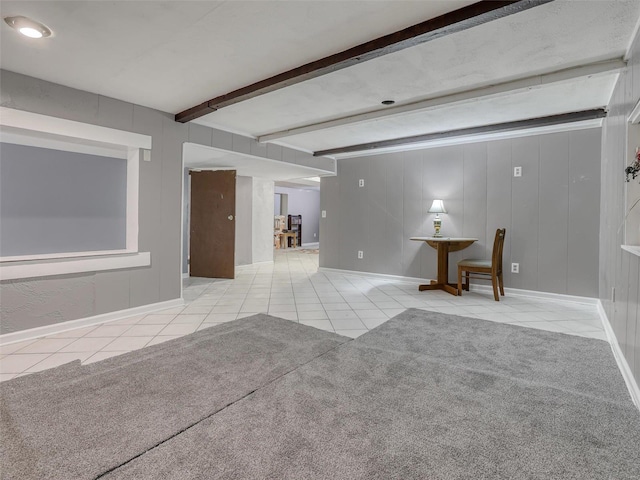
(437, 207)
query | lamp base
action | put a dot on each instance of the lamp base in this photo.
(437, 223)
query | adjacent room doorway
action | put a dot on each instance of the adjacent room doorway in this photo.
(213, 224)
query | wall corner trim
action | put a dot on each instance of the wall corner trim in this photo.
(627, 374)
(37, 332)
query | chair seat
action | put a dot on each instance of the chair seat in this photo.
(472, 262)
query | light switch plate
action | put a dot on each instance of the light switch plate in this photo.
(324, 214)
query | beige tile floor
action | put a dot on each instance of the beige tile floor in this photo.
(290, 288)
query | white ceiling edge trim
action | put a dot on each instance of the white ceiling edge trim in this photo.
(31, 122)
(566, 75)
(445, 142)
(636, 32)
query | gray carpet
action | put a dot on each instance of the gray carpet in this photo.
(423, 396)
(79, 421)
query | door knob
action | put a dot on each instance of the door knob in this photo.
(230, 217)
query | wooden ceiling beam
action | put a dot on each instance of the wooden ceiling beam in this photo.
(447, 24)
(495, 128)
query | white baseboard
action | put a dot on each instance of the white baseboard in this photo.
(474, 287)
(559, 297)
(627, 374)
(255, 264)
(382, 276)
(31, 333)
(185, 275)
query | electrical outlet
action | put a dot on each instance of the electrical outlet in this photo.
(515, 268)
(517, 171)
(361, 182)
(360, 254)
(324, 214)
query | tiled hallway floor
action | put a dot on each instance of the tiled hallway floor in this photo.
(290, 288)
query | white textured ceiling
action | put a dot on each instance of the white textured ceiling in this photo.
(172, 55)
(176, 54)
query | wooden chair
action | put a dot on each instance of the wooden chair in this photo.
(484, 269)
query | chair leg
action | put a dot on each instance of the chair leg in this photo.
(494, 282)
(466, 283)
(501, 283)
(459, 281)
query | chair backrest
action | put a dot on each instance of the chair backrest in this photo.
(498, 244)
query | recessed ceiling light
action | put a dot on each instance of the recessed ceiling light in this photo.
(388, 102)
(27, 27)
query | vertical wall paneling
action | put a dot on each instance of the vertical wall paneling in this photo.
(174, 136)
(274, 152)
(414, 219)
(221, 139)
(554, 216)
(186, 221)
(329, 225)
(244, 214)
(629, 342)
(584, 180)
(443, 178)
(618, 268)
(474, 193)
(352, 211)
(499, 199)
(113, 289)
(394, 221)
(528, 221)
(375, 191)
(145, 282)
(481, 195)
(200, 134)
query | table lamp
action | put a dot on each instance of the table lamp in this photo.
(437, 207)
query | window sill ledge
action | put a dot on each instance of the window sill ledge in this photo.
(62, 266)
(633, 249)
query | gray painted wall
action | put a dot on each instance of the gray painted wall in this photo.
(620, 269)
(29, 303)
(244, 213)
(186, 212)
(53, 201)
(551, 213)
(305, 202)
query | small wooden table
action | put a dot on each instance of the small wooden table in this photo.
(284, 242)
(444, 245)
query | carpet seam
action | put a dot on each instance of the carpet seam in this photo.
(101, 475)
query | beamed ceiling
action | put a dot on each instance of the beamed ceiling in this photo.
(312, 74)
